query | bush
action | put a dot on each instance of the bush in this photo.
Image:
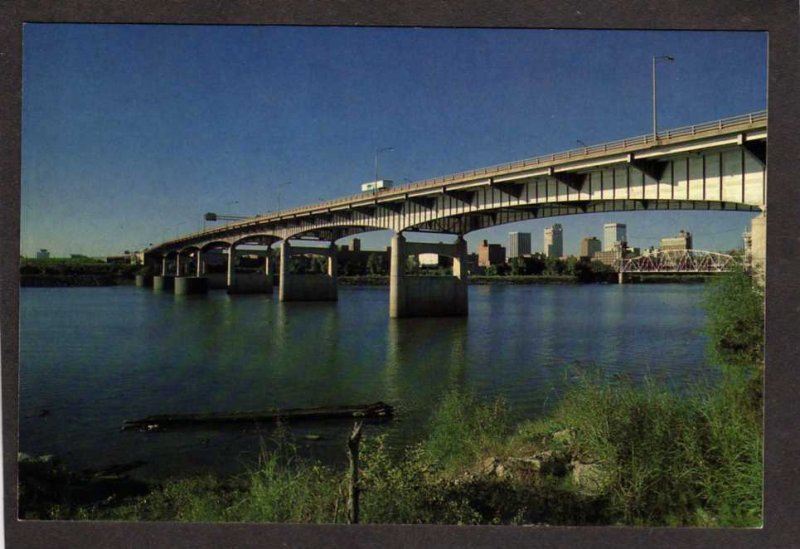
(669, 459)
(735, 328)
(464, 429)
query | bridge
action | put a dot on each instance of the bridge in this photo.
(714, 166)
(677, 261)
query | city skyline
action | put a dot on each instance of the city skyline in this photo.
(132, 133)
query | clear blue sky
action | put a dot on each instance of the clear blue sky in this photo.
(132, 132)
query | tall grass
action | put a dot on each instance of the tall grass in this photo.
(464, 429)
(668, 459)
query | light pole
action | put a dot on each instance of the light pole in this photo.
(656, 59)
(377, 153)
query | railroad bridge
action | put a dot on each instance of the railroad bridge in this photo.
(719, 165)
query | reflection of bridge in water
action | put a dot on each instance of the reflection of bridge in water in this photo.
(678, 261)
(716, 166)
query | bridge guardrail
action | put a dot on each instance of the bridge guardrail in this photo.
(582, 152)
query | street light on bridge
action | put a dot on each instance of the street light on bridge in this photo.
(656, 59)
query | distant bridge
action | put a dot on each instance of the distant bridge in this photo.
(714, 166)
(678, 261)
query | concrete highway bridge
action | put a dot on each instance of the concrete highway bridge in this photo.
(719, 165)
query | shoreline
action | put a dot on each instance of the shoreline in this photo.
(103, 280)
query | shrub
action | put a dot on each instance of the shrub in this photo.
(669, 459)
(464, 429)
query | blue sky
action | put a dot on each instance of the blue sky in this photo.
(132, 132)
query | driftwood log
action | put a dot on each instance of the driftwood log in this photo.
(378, 410)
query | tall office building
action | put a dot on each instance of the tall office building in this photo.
(613, 234)
(490, 254)
(554, 241)
(519, 244)
(589, 246)
(681, 242)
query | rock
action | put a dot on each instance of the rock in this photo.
(590, 478)
(489, 465)
(529, 463)
(499, 470)
(563, 436)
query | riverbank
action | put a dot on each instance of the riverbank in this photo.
(379, 280)
(611, 452)
(75, 272)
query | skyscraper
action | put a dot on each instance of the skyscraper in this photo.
(519, 244)
(589, 246)
(613, 234)
(554, 241)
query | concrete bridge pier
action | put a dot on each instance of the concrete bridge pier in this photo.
(307, 287)
(246, 283)
(164, 283)
(411, 296)
(200, 263)
(185, 285)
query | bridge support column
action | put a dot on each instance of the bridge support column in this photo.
(333, 263)
(397, 271)
(231, 266)
(200, 267)
(621, 277)
(164, 266)
(431, 296)
(284, 283)
(307, 287)
(144, 280)
(758, 247)
(164, 283)
(178, 265)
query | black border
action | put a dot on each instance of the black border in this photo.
(782, 481)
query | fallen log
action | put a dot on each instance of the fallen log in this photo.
(378, 410)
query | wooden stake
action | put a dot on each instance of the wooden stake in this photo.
(352, 454)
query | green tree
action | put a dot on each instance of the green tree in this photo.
(518, 266)
(535, 264)
(412, 264)
(376, 264)
(554, 266)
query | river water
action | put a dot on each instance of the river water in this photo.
(93, 357)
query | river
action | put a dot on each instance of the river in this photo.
(93, 357)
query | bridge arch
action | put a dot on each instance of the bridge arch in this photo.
(265, 239)
(214, 244)
(332, 232)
